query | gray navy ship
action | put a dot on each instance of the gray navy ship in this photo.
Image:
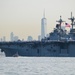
(59, 43)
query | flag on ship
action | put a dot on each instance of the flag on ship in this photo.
(67, 25)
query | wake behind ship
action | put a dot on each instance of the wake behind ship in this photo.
(59, 43)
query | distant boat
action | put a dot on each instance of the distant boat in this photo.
(16, 55)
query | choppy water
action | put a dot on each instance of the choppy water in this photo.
(37, 66)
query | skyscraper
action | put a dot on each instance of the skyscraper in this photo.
(11, 36)
(29, 38)
(43, 26)
(39, 38)
(4, 38)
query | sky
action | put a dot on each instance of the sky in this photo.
(23, 17)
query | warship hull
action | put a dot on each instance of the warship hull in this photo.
(39, 49)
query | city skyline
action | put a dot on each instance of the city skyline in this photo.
(23, 17)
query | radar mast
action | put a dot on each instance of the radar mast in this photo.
(60, 21)
(72, 20)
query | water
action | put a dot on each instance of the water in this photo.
(37, 66)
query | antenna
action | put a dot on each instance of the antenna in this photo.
(60, 21)
(71, 14)
(72, 20)
(44, 13)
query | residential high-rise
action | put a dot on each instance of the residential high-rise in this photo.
(43, 26)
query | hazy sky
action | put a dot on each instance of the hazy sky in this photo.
(23, 17)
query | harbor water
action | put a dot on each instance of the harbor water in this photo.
(37, 66)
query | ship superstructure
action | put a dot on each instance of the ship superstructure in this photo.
(57, 44)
